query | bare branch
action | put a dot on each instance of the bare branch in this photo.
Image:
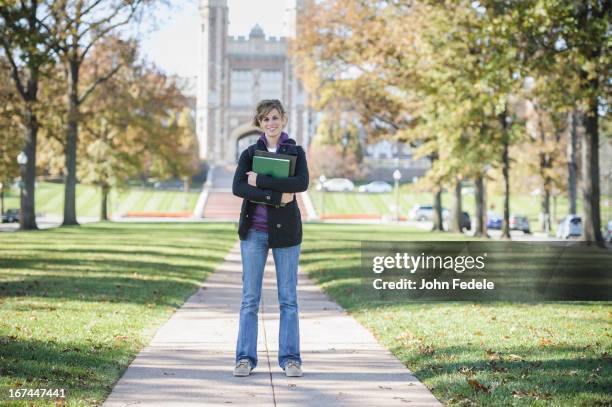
(14, 70)
(93, 5)
(98, 81)
(104, 32)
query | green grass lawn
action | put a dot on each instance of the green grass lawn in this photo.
(469, 353)
(334, 203)
(50, 200)
(77, 304)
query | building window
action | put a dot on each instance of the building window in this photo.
(241, 89)
(271, 85)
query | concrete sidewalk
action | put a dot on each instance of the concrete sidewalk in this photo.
(189, 362)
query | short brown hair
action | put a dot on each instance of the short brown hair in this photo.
(266, 106)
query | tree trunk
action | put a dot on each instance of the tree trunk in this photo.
(437, 210)
(545, 205)
(545, 165)
(456, 211)
(2, 200)
(572, 166)
(72, 131)
(554, 209)
(506, 173)
(480, 221)
(28, 174)
(591, 221)
(104, 203)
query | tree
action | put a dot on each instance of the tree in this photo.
(110, 154)
(23, 40)
(10, 131)
(136, 121)
(439, 76)
(77, 27)
(336, 148)
(355, 56)
(544, 153)
(467, 94)
(574, 37)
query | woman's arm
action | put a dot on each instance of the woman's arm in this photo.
(241, 187)
(297, 183)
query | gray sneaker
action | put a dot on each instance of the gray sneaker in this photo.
(243, 368)
(293, 369)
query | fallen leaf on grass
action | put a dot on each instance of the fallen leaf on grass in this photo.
(468, 371)
(592, 379)
(545, 341)
(493, 355)
(478, 386)
(426, 350)
(517, 394)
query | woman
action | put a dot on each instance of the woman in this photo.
(275, 225)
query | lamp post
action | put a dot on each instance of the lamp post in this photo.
(322, 180)
(397, 175)
(22, 160)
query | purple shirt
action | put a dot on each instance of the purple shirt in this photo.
(260, 215)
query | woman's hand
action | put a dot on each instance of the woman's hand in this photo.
(287, 197)
(252, 178)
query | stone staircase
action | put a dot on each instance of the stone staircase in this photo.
(221, 204)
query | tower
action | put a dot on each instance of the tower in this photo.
(234, 73)
(300, 119)
(211, 76)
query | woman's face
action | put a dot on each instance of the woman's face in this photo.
(272, 124)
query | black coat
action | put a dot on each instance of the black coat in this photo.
(284, 222)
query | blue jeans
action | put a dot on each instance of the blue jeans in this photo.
(254, 251)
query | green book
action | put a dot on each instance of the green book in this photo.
(274, 167)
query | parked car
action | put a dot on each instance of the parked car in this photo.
(376, 187)
(338, 185)
(424, 212)
(569, 227)
(519, 222)
(494, 221)
(466, 222)
(11, 216)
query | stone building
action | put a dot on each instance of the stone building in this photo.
(234, 74)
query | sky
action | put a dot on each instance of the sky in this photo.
(169, 34)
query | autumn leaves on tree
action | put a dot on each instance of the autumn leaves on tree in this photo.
(103, 115)
(468, 84)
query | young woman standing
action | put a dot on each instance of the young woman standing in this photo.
(275, 224)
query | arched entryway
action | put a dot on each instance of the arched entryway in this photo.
(242, 137)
